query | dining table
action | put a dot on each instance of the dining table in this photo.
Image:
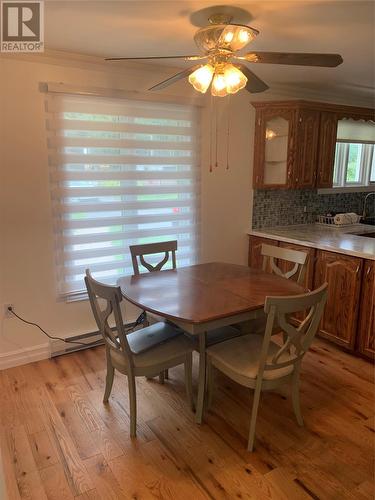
(204, 297)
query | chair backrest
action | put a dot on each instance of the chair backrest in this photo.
(105, 301)
(272, 253)
(153, 248)
(296, 339)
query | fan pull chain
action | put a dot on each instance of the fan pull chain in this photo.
(211, 128)
(228, 128)
(216, 136)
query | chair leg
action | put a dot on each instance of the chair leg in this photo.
(132, 405)
(188, 379)
(161, 377)
(295, 397)
(108, 379)
(210, 382)
(254, 414)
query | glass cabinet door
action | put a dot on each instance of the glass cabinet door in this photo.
(276, 151)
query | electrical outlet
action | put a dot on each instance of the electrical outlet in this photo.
(7, 313)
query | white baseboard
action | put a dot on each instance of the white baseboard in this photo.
(24, 356)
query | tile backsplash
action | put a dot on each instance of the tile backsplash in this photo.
(283, 207)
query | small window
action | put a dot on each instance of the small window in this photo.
(354, 164)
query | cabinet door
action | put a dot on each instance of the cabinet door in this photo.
(274, 148)
(255, 245)
(326, 149)
(366, 330)
(307, 150)
(343, 275)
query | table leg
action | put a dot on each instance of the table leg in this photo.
(202, 377)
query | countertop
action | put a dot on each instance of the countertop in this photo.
(344, 240)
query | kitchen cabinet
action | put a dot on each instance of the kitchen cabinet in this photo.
(295, 142)
(343, 275)
(366, 330)
(285, 148)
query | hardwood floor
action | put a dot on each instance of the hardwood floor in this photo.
(59, 441)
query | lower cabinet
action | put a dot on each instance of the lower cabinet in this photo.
(366, 330)
(343, 275)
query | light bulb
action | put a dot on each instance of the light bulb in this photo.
(228, 37)
(243, 36)
(218, 88)
(202, 77)
(270, 134)
(235, 80)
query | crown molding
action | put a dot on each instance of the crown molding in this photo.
(73, 59)
(351, 96)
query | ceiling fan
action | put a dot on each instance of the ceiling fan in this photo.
(224, 68)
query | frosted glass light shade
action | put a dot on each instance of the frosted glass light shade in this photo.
(202, 77)
(235, 80)
(219, 85)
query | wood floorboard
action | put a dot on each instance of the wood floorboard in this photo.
(60, 442)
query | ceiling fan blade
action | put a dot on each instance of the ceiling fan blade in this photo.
(293, 58)
(174, 78)
(254, 84)
(187, 58)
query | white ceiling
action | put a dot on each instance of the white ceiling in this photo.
(136, 28)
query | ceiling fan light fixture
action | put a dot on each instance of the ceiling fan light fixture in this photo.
(201, 78)
(234, 78)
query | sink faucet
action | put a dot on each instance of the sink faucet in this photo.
(364, 203)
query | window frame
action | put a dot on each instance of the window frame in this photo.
(366, 165)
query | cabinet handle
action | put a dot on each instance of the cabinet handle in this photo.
(297, 180)
(368, 271)
(358, 268)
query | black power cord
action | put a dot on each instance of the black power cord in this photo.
(141, 318)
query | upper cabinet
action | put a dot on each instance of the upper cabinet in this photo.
(295, 142)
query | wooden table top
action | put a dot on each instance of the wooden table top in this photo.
(204, 292)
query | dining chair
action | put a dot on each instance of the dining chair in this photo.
(138, 252)
(144, 352)
(257, 362)
(272, 255)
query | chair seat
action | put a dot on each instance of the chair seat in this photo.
(241, 357)
(147, 338)
(154, 345)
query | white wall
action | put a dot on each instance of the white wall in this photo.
(26, 244)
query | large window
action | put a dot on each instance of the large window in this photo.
(123, 172)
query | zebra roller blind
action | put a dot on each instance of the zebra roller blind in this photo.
(122, 172)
